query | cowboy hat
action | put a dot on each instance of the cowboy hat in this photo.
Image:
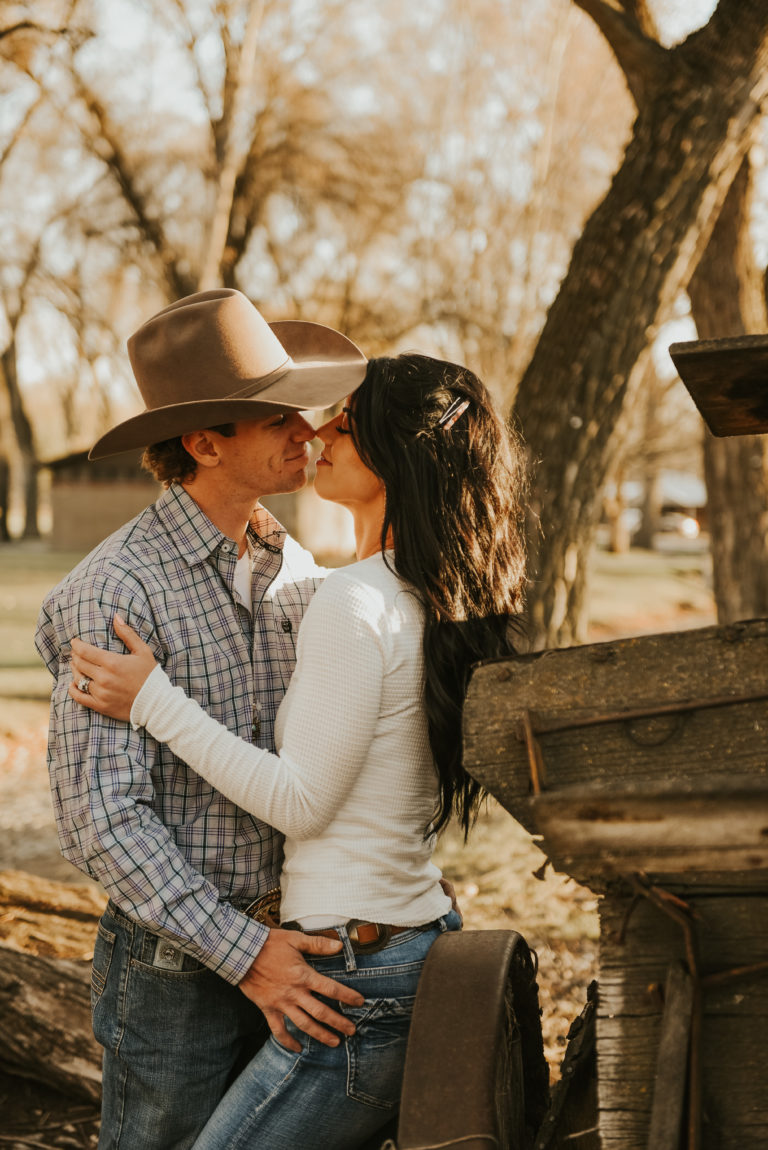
(728, 381)
(212, 358)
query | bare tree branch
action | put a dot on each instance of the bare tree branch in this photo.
(31, 26)
(112, 154)
(18, 132)
(641, 15)
(643, 61)
(236, 147)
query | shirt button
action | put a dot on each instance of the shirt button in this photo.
(226, 548)
(287, 625)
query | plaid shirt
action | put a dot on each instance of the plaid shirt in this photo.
(172, 852)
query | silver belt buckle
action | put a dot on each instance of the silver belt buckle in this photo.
(385, 934)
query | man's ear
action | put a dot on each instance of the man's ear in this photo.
(203, 448)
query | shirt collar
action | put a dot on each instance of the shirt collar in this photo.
(265, 530)
(197, 538)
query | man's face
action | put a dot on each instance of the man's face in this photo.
(266, 456)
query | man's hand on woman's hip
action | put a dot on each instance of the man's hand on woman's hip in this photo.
(282, 983)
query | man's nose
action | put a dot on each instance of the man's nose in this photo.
(302, 429)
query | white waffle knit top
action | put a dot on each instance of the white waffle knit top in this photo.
(353, 784)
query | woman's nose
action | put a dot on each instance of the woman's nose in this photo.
(325, 431)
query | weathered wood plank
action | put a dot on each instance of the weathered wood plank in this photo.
(650, 755)
(620, 995)
(656, 830)
(47, 932)
(726, 379)
(672, 1063)
(731, 931)
(45, 1023)
(620, 1131)
(50, 919)
(583, 683)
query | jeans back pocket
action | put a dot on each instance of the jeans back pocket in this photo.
(376, 1051)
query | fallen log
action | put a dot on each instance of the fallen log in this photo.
(47, 931)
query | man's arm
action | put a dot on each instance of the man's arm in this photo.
(101, 773)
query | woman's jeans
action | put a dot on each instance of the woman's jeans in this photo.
(332, 1098)
(174, 1035)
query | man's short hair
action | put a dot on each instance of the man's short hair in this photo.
(170, 462)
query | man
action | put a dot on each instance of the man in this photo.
(185, 968)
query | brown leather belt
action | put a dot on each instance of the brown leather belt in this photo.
(365, 937)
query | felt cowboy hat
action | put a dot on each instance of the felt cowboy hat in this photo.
(728, 381)
(212, 358)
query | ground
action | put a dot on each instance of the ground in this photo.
(500, 875)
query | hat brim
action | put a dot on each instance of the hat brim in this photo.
(728, 382)
(309, 386)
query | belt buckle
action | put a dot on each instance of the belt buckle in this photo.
(384, 935)
(266, 908)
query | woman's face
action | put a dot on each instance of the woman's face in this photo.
(341, 474)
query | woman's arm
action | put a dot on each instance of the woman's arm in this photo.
(333, 705)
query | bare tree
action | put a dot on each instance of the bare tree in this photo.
(697, 107)
(20, 41)
(727, 294)
(265, 146)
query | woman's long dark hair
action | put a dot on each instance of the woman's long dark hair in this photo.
(454, 498)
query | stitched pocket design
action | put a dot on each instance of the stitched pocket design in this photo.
(102, 960)
(376, 1051)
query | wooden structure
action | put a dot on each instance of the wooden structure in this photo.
(92, 498)
(643, 766)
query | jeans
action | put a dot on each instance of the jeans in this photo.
(332, 1098)
(174, 1035)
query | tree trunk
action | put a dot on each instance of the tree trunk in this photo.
(650, 509)
(614, 508)
(5, 493)
(22, 431)
(728, 299)
(47, 932)
(632, 260)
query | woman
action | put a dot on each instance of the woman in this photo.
(369, 733)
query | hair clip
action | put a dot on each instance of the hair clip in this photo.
(449, 417)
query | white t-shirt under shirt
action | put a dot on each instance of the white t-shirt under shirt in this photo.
(353, 785)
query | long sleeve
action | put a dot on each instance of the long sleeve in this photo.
(331, 710)
(102, 774)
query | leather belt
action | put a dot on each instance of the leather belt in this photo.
(365, 937)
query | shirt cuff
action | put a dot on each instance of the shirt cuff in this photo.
(153, 689)
(232, 945)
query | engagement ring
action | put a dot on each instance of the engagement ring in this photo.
(84, 684)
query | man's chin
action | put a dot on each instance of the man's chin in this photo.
(291, 483)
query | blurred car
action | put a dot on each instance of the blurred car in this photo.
(680, 523)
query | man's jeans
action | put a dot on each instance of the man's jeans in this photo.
(332, 1098)
(174, 1035)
